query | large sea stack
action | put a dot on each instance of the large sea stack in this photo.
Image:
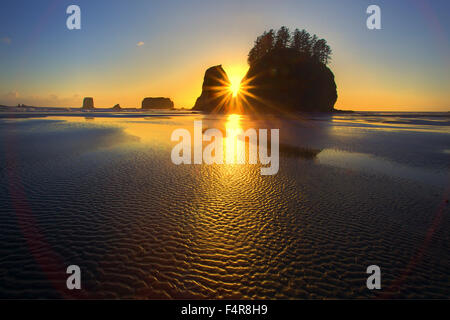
(212, 99)
(88, 103)
(287, 81)
(157, 103)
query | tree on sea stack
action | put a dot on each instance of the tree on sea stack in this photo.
(300, 41)
(283, 38)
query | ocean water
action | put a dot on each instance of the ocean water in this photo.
(101, 192)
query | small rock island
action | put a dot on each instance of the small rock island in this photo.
(88, 103)
(211, 99)
(157, 103)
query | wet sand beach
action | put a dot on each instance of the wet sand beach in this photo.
(101, 192)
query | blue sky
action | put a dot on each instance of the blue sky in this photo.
(404, 66)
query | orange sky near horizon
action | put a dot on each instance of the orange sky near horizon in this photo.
(367, 92)
(184, 88)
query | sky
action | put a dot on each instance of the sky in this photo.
(128, 50)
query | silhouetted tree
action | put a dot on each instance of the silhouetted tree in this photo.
(268, 41)
(301, 41)
(321, 51)
(263, 45)
(296, 41)
(312, 43)
(255, 52)
(283, 38)
(326, 55)
(317, 50)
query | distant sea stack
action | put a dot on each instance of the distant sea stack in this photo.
(117, 107)
(88, 103)
(211, 98)
(157, 103)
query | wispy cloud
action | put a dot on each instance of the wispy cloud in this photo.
(5, 40)
(140, 43)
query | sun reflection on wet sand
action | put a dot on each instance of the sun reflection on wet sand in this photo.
(234, 146)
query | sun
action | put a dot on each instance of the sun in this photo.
(232, 90)
(235, 86)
